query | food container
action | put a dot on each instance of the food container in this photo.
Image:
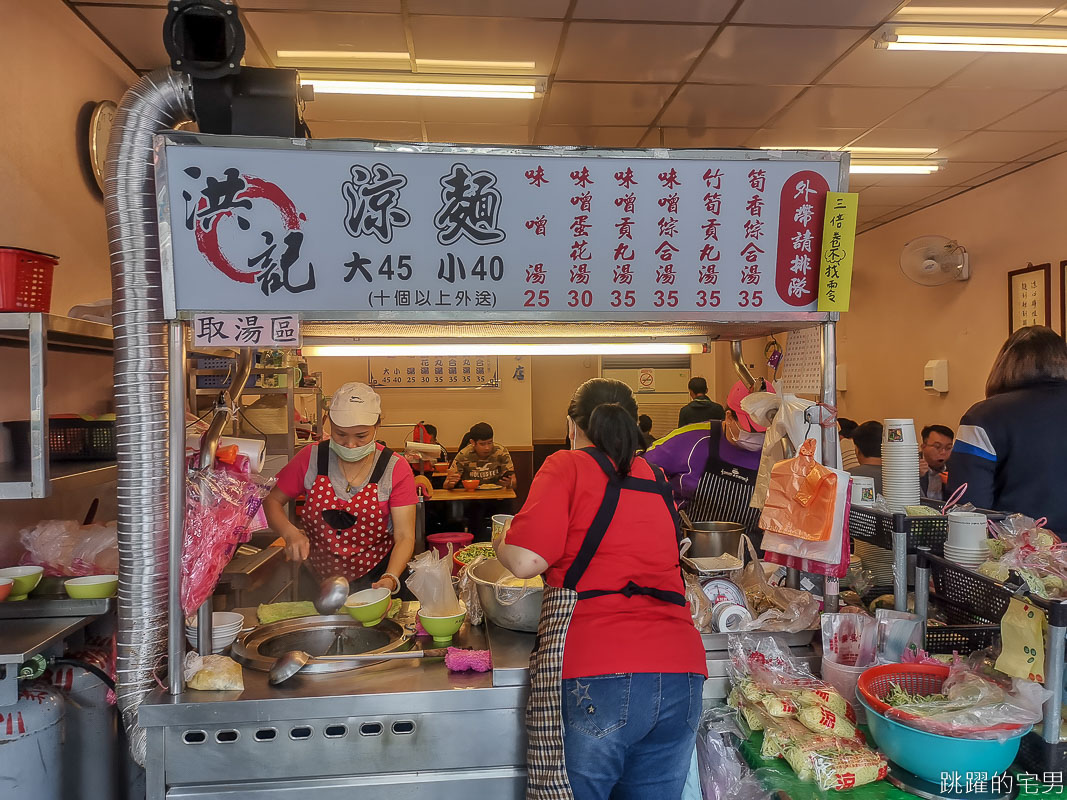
(713, 539)
(521, 615)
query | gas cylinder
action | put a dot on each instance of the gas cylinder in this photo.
(91, 755)
(31, 733)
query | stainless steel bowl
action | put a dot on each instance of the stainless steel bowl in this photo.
(521, 615)
(713, 539)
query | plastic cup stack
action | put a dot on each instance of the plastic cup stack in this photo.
(900, 464)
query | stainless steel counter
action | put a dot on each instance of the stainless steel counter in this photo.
(377, 727)
(22, 638)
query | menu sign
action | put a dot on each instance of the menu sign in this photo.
(461, 233)
(434, 372)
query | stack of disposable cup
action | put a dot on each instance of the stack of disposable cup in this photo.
(900, 464)
(967, 543)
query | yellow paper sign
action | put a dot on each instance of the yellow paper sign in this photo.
(1022, 633)
(838, 249)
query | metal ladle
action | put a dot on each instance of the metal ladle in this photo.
(332, 595)
(289, 664)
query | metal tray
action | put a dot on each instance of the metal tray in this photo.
(40, 607)
(720, 641)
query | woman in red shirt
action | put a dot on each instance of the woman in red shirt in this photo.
(617, 676)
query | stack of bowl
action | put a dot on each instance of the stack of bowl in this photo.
(900, 464)
(967, 542)
(23, 580)
(225, 625)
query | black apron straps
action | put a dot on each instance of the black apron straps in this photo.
(323, 461)
(602, 521)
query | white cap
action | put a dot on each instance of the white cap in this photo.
(355, 404)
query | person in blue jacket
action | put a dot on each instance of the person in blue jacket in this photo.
(1011, 448)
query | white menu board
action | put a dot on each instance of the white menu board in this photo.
(470, 233)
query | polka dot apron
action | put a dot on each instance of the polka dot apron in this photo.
(355, 551)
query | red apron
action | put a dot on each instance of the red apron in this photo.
(355, 551)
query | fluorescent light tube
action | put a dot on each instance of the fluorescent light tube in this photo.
(422, 89)
(893, 169)
(506, 349)
(1020, 39)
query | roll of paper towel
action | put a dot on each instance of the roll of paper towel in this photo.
(254, 449)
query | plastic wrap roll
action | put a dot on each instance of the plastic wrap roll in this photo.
(255, 450)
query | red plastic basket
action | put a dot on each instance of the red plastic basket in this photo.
(25, 280)
(877, 682)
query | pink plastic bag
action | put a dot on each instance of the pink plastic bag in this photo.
(220, 505)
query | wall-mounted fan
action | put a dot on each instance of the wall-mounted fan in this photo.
(934, 260)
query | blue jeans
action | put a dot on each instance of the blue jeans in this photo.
(630, 736)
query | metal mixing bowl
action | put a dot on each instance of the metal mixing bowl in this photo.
(713, 539)
(521, 615)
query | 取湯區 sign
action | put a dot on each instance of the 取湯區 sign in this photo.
(385, 233)
(246, 330)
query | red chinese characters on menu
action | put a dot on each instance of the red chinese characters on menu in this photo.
(800, 219)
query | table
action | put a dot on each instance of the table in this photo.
(461, 495)
(22, 638)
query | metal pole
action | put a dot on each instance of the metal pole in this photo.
(1054, 649)
(176, 518)
(900, 570)
(922, 589)
(40, 474)
(738, 357)
(831, 592)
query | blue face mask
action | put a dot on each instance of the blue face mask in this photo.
(352, 453)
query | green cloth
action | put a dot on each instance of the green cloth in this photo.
(276, 612)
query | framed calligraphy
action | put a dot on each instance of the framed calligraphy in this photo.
(1029, 296)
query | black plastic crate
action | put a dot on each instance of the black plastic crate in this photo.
(962, 639)
(68, 440)
(1038, 757)
(877, 527)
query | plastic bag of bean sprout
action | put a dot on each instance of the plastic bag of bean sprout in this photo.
(219, 507)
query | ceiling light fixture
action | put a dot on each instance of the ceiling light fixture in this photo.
(354, 58)
(892, 168)
(458, 349)
(971, 39)
(407, 87)
(340, 55)
(884, 152)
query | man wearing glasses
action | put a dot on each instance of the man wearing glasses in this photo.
(933, 455)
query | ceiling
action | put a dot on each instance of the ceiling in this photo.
(679, 73)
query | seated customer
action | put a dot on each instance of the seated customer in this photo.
(934, 453)
(868, 440)
(644, 424)
(700, 407)
(482, 459)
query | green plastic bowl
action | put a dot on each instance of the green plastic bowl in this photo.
(25, 580)
(368, 606)
(442, 629)
(92, 587)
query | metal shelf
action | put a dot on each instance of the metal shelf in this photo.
(59, 333)
(257, 390)
(16, 482)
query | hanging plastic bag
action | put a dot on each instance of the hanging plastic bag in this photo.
(219, 508)
(431, 583)
(800, 502)
(834, 550)
(788, 430)
(777, 607)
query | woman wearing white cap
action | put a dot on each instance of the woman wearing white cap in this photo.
(359, 512)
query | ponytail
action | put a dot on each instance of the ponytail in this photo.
(614, 432)
(605, 410)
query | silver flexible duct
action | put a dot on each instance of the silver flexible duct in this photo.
(157, 102)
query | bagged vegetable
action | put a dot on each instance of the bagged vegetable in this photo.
(213, 673)
(846, 769)
(67, 549)
(776, 608)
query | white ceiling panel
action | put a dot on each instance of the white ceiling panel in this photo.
(788, 138)
(883, 136)
(601, 136)
(999, 145)
(867, 212)
(361, 33)
(383, 131)
(754, 55)
(345, 108)
(1012, 71)
(866, 66)
(604, 103)
(1047, 114)
(555, 9)
(487, 39)
(126, 28)
(123, 2)
(365, 6)
(452, 109)
(896, 195)
(603, 51)
(954, 173)
(700, 105)
(861, 13)
(993, 174)
(1046, 152)
(844, 107)
(961, 109)
(699, 137)
(658, 11)
(464, 133)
